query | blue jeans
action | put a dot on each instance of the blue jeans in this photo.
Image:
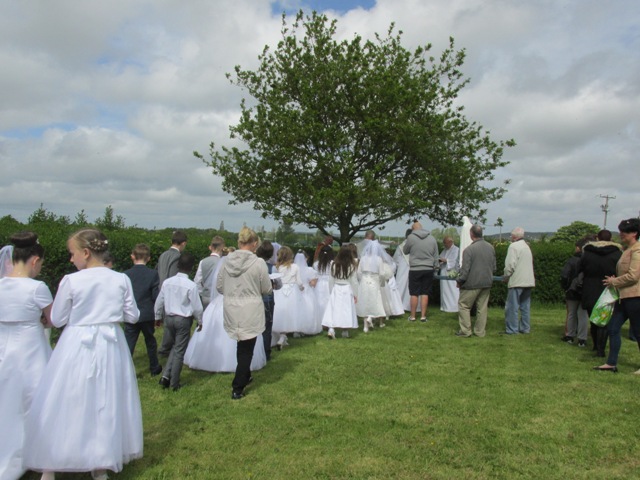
(518, 299)
(625, 308)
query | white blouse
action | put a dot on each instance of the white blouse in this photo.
(22, 299)
(291, 274)
(93, 296)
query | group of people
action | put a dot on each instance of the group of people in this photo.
(598, 263)
(245, 301)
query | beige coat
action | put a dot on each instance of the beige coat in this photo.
(518, 266)
(627, 279)
(243, 281)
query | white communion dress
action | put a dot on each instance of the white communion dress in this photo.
(211, 349)
(24, 353)
(85, 413)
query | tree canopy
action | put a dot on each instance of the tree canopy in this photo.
(353, 134)
(575, 231)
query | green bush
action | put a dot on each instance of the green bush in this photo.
(53, 232)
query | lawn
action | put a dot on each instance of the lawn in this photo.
(409, 401)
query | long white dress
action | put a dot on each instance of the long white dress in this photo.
(372, 273)
(402, 277)
(391, 298)
(24, 353)
(449, 291)
(341, 307)
(211, 349)
(322, 290)
(85, 413)
(288, 301)
(310, 323)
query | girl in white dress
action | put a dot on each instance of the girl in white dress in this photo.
(288, 300)
(341, 308)
(322, 267)
(374, 269)
(310, 323)
(85, 414)
(210, 349)
(24, 351)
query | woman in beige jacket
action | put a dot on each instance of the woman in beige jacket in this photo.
(243, 281)
(627, 281)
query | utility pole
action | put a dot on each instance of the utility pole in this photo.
(605, 207)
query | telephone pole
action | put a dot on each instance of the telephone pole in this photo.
(605, 207)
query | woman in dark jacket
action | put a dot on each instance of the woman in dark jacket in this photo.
(598, 261)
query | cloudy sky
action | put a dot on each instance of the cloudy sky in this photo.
(103, 103)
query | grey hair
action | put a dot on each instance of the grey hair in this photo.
(518, 232)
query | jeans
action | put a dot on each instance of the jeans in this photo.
(626, 308)
(518, 299)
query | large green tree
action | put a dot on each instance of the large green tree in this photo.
(575, 231)
(353, 134)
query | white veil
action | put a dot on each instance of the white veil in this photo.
(370, 254)
(6, 261)
(465, 235)
(214, 279)
(306, 273)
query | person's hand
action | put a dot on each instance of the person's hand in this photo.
(607, 282)
(355, 299)
(158, 323)
(199, 329)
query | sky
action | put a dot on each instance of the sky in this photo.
(103, 103)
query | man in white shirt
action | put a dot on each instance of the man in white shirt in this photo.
(178, 303)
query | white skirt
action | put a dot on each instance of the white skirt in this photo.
(370, 297)
(449, 294)
(85, 414)
(288, 308)
(322, 292)
(391, 299)
(24, 353)
(341, 309)
(212, 350)
(310, 323)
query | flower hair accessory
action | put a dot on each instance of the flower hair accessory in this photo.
(99, 245)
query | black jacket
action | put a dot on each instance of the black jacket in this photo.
(146, 285)
(570, 278)
(598, 260)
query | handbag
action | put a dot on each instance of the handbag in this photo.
(603, 310)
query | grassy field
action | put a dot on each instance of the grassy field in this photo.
(410, 401)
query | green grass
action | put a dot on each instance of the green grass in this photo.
(408, 401)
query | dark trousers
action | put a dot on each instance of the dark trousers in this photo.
(268, 326)
(599, 336)
(626, 308)
(244, 354)
(177, 331)
(132, 332)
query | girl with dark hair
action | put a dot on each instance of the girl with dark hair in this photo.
(341, 307)
(322, 267)
(627, 281)
(86, 414)
(25, 305)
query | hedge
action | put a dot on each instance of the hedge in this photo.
(548, 257)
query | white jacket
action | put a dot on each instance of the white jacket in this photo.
(518, 266)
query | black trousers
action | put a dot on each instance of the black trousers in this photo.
(244, 354)
(132, 332)
(599, 335)
(268, 326)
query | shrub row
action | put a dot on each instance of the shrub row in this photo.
(548, 257)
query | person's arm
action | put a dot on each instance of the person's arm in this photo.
(158, 308)
(198, 278)
(61, 308)
(510, 262)
(631, 277)
(131, 314)
(196, 305)
(266, 285)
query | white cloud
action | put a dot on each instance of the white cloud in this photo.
(103, 103)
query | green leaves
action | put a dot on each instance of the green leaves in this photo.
(355, 133)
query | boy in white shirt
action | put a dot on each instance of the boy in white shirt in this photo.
(178, 303)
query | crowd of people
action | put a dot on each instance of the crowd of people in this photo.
(246, 302)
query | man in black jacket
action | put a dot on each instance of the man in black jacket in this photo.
(577, 321)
